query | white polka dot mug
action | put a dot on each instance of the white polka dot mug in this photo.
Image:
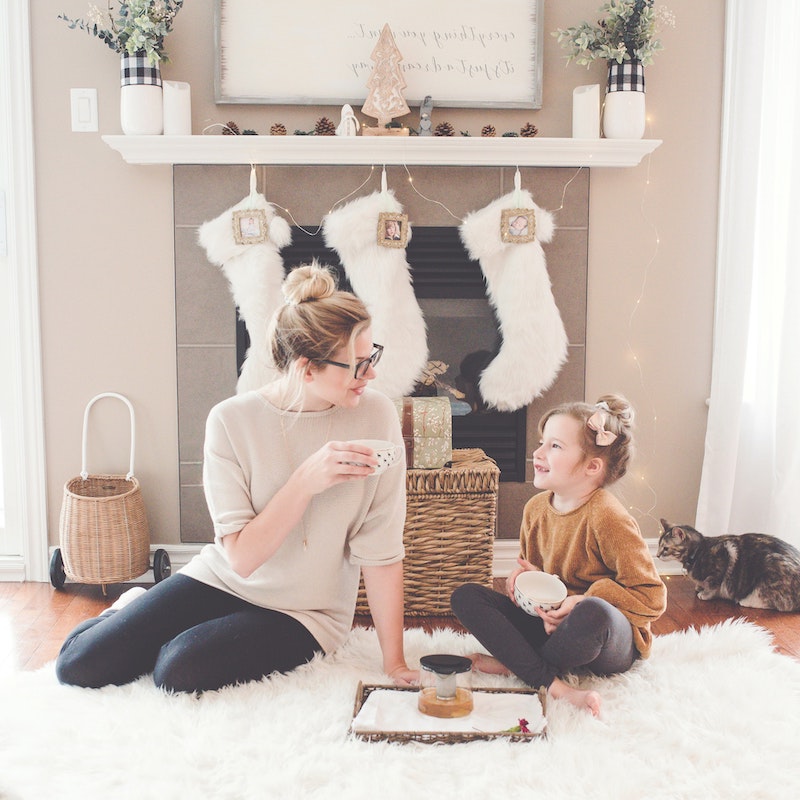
(387, 453)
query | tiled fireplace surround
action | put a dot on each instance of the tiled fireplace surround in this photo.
(206, 344)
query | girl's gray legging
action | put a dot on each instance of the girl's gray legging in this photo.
(595, 636)
(191, 636)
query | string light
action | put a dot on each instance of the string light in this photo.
(637, 303)
(634, 356)
(648, 512)
(566, 185)
(429, 199)
(332, 208)
(642, 478)
(459, 219)
(358, 188)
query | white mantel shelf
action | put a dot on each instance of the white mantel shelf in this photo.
(416, 150)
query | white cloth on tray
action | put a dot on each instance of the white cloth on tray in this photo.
(396, 711)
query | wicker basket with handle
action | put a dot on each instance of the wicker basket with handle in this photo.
(103, 529)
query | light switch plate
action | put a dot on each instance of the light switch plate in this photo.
(83, 103)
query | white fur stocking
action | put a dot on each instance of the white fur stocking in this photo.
(255, 273)
(534, 340)
(380, 277)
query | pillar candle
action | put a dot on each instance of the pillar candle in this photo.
(585, 112)
(177, 108)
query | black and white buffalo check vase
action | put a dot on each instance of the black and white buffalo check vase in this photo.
(141, 101)
(624, 108)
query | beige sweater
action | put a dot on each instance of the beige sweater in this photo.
(248, 458)
(597, 550)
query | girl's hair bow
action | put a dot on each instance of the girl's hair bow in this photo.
(597, 422)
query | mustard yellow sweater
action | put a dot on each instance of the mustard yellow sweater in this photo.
(598, 551)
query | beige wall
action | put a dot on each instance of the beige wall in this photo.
(106, 251)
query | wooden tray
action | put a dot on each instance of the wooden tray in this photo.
(443, 737)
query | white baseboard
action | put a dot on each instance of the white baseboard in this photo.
(507, 550)
(504, 558)
(12, 569)
(503, 562)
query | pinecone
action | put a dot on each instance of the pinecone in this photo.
(444, 129)
(325, 127)
(488, 130)
(230, 129)
(528, 130)
(278, 129)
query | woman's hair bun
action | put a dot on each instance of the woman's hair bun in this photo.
(308, 282)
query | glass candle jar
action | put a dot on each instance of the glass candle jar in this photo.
(445, 686)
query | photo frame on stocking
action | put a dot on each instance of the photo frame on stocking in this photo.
(250, 226)
(392, 229)
(518, 225)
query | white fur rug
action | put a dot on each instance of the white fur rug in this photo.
(712, 714)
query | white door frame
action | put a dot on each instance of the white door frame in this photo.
(28, 507)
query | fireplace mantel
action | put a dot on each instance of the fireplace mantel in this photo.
(428, 151)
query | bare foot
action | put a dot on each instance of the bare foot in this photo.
(488, 664)
(580, 698)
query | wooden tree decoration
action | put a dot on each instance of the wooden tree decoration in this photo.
(385, 99)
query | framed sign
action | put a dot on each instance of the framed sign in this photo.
(463, 53)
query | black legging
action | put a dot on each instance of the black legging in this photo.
(191, 636)
(595, 636)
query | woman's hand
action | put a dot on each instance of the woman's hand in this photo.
(552, 619)
(335, 462)
(524, 566)
(403, 676)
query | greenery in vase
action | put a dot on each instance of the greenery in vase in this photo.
(626, 32)
(137, 26)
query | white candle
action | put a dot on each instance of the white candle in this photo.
(585, 112)
(177, 108)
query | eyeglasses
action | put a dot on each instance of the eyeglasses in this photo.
(361, 366)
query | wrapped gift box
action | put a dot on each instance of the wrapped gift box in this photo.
(427, 424)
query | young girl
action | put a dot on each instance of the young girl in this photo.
(297, 514)
(577, 530)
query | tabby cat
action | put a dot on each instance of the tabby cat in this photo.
(752, 569)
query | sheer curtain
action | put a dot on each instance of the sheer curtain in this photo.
(751, 468)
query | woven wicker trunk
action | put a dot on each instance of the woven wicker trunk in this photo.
(451, 518)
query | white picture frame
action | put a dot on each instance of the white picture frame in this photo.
(463, 53)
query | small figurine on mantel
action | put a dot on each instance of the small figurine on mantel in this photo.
(386, 83)
(425, 111)
(349, 125)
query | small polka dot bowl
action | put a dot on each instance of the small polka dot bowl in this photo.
(539, 589)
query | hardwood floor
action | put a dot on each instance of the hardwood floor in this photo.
(35, 618)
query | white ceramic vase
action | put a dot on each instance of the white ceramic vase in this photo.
(624, 106)
(141, 104)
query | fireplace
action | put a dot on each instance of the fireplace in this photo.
(449, 287)
(463, 337)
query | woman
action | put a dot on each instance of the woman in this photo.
(297, 514)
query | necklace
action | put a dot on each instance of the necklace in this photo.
(293, 466)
